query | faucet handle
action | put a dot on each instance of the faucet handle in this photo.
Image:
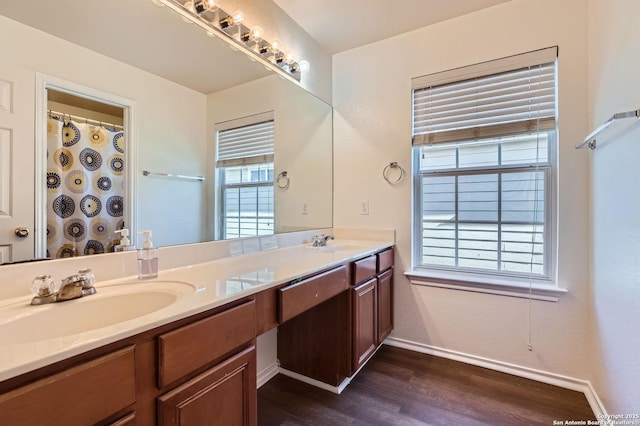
(87, 276)
(43, 286)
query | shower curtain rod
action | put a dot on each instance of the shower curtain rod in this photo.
(86, 120)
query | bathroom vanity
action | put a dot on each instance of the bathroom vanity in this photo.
(333, 307)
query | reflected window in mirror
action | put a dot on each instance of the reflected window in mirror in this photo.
(245, 173)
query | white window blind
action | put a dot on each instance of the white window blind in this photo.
(249, 144)
(484, 141)
(518, 95)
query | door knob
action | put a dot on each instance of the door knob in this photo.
(22, 232)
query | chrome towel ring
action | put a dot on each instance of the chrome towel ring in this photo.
(387, 172)
(282, 181)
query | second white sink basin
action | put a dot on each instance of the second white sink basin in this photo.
(110, 305)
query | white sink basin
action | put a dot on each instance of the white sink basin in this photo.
(110, 305)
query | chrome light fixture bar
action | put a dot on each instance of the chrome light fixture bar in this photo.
(230, 29)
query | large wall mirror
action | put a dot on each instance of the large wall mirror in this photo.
(186, 90)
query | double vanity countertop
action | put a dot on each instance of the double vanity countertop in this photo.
(35, 336)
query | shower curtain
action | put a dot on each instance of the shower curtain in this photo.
(85, 187)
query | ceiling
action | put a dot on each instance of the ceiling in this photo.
(141, 34)
(157, 40)
(339, 25)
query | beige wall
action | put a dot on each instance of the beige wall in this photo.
(302, 144)
(614, 67)
(372, 127)
(277, 25)
(171, 124)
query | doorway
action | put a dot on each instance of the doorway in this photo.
(84, 175)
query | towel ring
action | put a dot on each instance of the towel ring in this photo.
(387, 169)
(282, 181)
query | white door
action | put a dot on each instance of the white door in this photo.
(16, 164)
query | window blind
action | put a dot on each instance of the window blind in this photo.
(515, 94)
(249, 144)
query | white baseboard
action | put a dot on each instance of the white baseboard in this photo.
(594, 401)
(516, 370)
(268, 373)
(313, 382)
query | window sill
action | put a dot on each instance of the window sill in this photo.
(514, 287)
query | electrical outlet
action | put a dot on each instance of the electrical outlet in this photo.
(305, 208)
(364, 207)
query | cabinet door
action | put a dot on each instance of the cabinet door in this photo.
(385, 304)
(224, 395)
(365, 324)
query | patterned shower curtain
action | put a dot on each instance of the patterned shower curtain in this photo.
(85, 187)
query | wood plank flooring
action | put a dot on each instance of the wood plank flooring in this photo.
(401, 387)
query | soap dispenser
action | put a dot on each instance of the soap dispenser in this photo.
(125, 244)
(147, 258)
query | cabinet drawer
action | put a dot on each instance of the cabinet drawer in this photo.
(188, 348)
(82, 395)
(299, 297)
(364, 269)
(385, 260)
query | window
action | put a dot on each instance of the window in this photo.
(484, 141)
(245, 174)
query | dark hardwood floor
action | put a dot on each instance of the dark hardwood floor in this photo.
(400, 387)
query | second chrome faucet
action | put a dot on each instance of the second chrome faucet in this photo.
(320, 240)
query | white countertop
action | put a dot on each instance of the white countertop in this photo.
(215, 283)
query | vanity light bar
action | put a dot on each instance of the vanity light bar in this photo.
(230, 29)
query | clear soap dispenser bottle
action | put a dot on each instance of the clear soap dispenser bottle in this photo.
(147, 258)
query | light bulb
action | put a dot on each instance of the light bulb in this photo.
(202, 6)
(275, 45)
(238, 17)
(288, 58)
(231, 20)
(305, 66)
(210, 5)
(257, 34)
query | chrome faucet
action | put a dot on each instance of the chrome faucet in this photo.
(72, 287)
(321, 240)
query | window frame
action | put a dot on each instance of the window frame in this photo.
(549, 169)
(541, 287)
(222, 186)
(219, 167)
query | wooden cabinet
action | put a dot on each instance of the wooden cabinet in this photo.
(385, 304)
(198, 370)
(372, 305)
(202, 369)
(85, 394)
(193, 346)
(223, 395)
(329, 341)
(304, 295)
(365, 321)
